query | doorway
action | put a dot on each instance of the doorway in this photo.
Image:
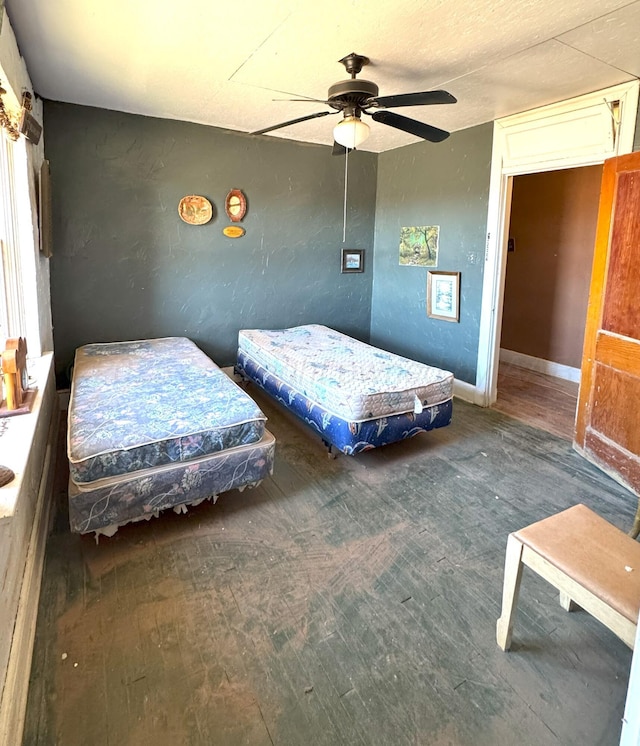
(581, 132)
(552, 228)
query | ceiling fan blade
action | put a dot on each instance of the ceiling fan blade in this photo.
(415, 99)
(304, 100)
(412, 126)
(292, 121)
(340, 149)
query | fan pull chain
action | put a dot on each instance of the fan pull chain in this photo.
(344, 214)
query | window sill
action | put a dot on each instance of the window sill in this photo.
(18, 435)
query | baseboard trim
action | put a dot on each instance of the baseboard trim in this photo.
(14, 695)
(540, 365)
(467, 392)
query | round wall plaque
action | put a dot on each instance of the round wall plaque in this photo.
(195, 210)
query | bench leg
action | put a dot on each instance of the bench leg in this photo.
(566, 602)
(636, 524)
(510, 590)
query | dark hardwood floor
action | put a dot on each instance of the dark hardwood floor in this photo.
(540, 400)
(347, 601)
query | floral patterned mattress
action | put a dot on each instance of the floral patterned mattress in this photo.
(139, 405)
(348, 378)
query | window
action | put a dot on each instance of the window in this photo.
(12, 302)
(24, 276)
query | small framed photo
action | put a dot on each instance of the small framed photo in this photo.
(443, 295)
(352, 260)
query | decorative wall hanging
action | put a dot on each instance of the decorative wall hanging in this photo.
(195, 210)
(419, 246)
(234, 231)
(29, 125)
(235, 205)
(443, 295)
(352, 260)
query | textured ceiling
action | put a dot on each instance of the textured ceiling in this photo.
(224, 65)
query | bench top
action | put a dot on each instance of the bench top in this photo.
(591, 551)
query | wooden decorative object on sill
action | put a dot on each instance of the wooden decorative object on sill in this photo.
(6, 475)
(235, 205)
(14, 373)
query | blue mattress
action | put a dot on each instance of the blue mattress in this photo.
(139, 405)
(350, 379)
(355, 396)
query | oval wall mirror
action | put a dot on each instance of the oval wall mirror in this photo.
(235, 205)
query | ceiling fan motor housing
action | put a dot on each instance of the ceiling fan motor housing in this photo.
(351, 92)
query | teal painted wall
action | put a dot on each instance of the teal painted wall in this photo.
(444, 184)
(126, 267)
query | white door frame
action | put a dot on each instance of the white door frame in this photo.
(583, 131)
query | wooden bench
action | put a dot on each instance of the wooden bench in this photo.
(592, 563)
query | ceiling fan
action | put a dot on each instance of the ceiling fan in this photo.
(353, 98)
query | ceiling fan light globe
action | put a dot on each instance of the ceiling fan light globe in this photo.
(351, 132)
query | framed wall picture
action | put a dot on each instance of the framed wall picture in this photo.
(443, 295)
(419, 246)
(352, 260)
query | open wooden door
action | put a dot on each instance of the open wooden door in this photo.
(608, 415)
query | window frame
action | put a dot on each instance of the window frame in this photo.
(19, 241)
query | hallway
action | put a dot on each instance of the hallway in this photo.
(540, 400)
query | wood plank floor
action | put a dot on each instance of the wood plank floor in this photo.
(540, 400)
(346, 601)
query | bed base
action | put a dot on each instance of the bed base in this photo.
(105, 505)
